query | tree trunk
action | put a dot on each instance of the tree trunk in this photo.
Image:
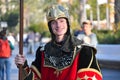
(117, 11)
(82, 11)
(117, 14)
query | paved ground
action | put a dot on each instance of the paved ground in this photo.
(106, 53)
(110, 74)
(109, 56)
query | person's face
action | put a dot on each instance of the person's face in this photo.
(59, 26)
(87, 28)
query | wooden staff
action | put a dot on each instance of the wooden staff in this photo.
(21, 37)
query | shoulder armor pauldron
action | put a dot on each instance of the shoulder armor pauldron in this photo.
(42, 47)
(79, 46)
(89, 45)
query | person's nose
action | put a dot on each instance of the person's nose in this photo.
(58, 24)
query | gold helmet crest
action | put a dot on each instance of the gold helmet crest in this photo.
(55, 12)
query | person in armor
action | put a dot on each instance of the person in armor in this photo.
(63, 58)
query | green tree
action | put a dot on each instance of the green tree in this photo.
(12, 19)
(93, 8)
(41, 28)
(93, 4)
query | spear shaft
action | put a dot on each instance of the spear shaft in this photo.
(21, 37)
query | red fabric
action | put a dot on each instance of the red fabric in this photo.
(5, 51)
(69, 73)
(89, 74)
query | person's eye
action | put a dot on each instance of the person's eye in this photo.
(53, 22)
(61, 21)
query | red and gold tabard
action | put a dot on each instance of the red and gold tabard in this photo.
(49, 73)
(68, 73)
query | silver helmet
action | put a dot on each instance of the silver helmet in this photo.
(55, 12)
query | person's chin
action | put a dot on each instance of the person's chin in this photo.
(59, 34)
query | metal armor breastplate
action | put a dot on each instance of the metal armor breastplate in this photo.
(59, 62)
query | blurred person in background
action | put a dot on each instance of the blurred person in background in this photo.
(31, 41)
(11, 38)
(6, 48)
(63, 58)
(88, 36)
(77, 32)
(37, 38)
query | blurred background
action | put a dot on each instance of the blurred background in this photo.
(104, 14)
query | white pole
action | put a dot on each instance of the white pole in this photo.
(107, 16)
(98, 16)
